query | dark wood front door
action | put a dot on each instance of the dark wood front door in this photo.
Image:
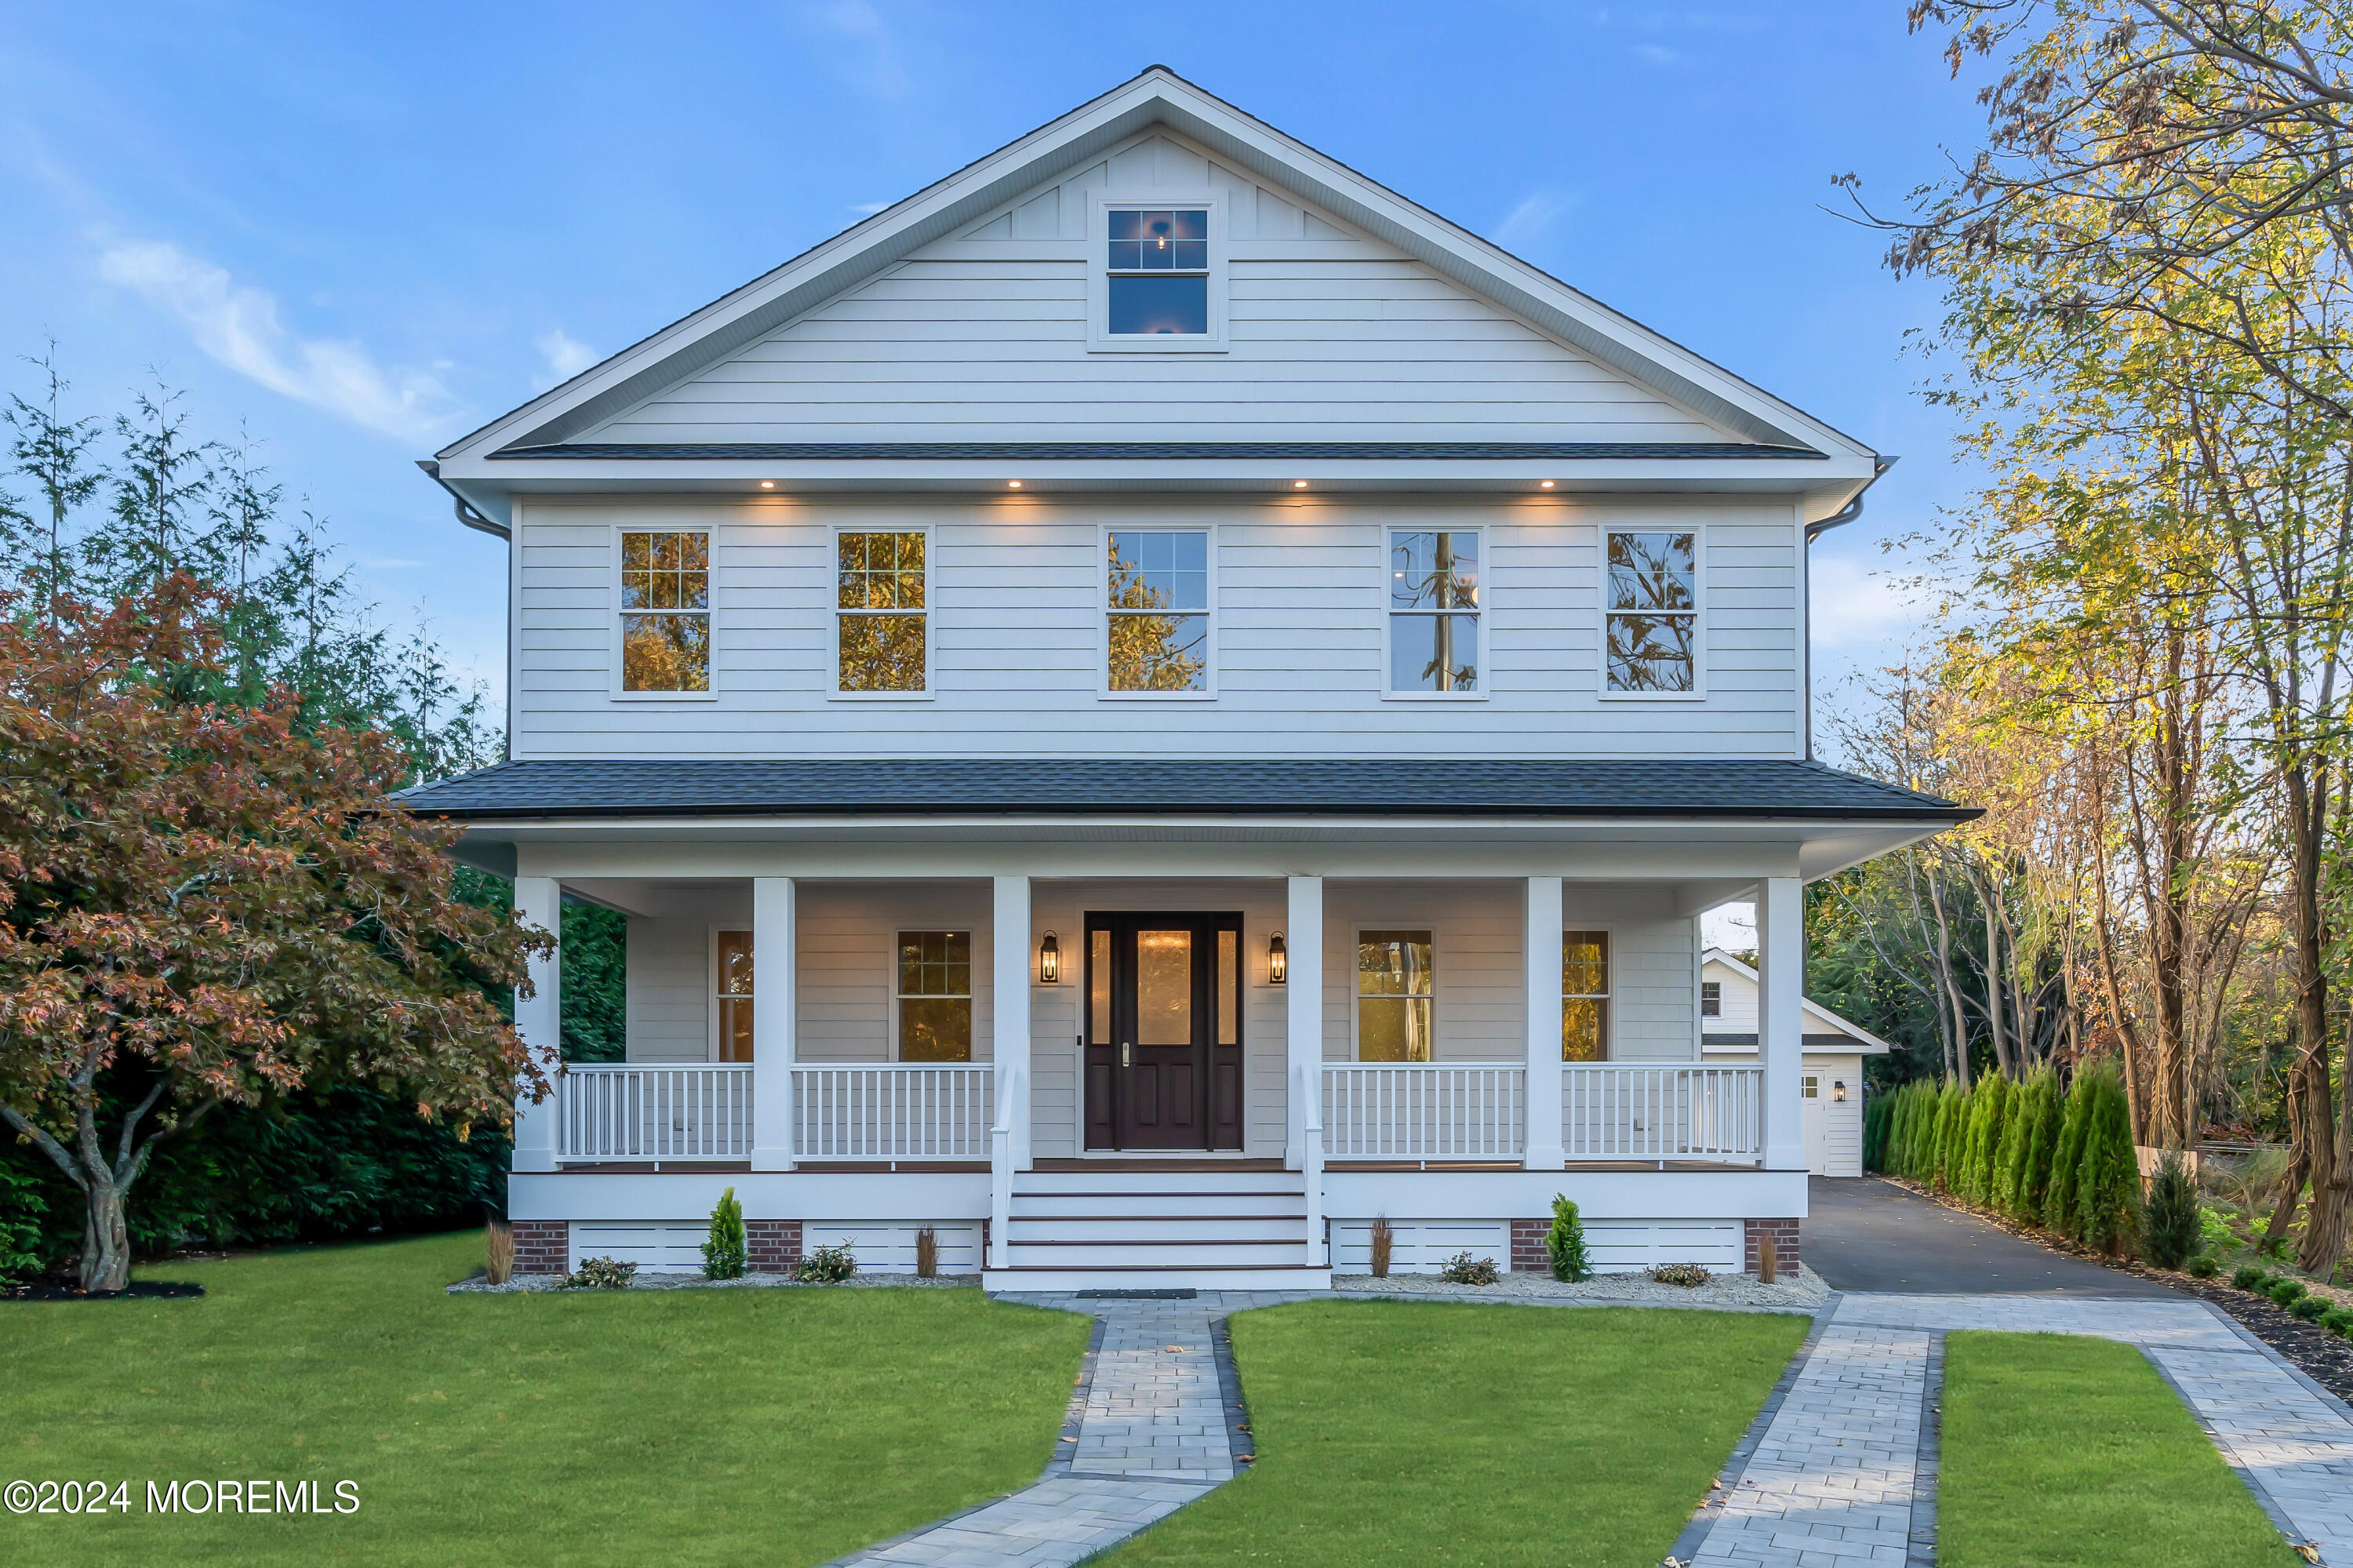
(1164, 1031)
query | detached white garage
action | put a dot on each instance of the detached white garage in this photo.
(1834, 1050)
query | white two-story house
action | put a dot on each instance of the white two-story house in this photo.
(1147, 706)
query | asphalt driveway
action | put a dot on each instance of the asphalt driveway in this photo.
(1869, 1235)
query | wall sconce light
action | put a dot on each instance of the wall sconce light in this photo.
(1278, 960)
(1837, 1089)
(1049, 960)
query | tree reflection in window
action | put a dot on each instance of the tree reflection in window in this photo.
(1158, 611)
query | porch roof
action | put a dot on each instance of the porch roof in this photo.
(1756, 790)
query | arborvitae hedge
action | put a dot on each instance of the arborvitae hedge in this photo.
(2107, 1187)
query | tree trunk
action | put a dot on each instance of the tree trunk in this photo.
(2324, 1221)
(105, 1238)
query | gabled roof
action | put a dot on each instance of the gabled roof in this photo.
(1159, 96)
(1854, 1033)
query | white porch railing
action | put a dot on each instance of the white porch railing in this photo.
(646, 1111)
(899, 1111)
(1423, 1110)
(1617, 1111)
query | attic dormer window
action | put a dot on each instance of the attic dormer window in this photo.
(1157, 274)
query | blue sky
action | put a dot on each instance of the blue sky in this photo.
(363, 230)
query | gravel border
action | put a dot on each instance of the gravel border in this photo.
(478, 1285)
(1800, 1288)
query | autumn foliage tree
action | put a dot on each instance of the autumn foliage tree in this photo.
(218, 903)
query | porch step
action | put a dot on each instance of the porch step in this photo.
(1094, 1222)
(1197, 1276)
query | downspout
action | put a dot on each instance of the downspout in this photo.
(1839, 519)
(481, 525)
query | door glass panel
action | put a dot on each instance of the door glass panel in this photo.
(1098, 987)
(1228, 987)
(735, 1028)
(1164, 987)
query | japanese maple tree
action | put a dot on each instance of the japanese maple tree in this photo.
(216, 904)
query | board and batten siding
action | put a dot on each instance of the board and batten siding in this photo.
(1331, 336)
(1017, 632)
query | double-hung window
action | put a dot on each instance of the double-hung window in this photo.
(1584, 996)
(881, 631)
(1711, 999)
(665, 611)
(1397, 996)
(1157, 276)
(934, 996)
(1433, 611)
(1158, 610)
(1653, 612)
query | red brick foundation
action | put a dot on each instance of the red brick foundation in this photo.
(772, 1247)
(1529, 1253)
(1785, 1242)
(543, 1247)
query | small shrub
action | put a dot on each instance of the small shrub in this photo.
(2203, 1267)
(2311, 1308)
(2247, 1276)
(1686, 1275)
(2338, 1322)
(828, 1265)
(1464, 1269)
(2285, 1291)
(723, 1253)
(1565, 1243)
(1384, 1246)
(601, 1274)
(2170, 1215)
(2214, 1229)
(497, 1252)
(927, 1254)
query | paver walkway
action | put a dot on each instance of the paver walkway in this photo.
(1841, 1476)
(1151, 1428)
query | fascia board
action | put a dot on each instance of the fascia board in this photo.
(740, 475)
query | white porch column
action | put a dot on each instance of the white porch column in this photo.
(1780, 1023)
(1008, 1137)
(539, 1019)
(1303, 1014)
(1542, 942)
(775, 1012)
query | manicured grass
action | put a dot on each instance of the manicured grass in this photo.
(2069, 1451)
(1405, 1431)
(696, 1427)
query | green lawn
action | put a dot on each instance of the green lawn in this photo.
(1406, 1432)
(2065, 1450)
(775, 1428)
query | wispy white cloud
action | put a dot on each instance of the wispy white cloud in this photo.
(1855, 607)
(871, 60)
(566, 358)
(1659, 54)
(869, 208)
(239, 327)
(1527, 222)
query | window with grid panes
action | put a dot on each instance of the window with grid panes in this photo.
(882, 611)
(934, 996)
(665, 611)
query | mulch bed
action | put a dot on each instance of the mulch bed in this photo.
(2314, 1350)
(66, 1290)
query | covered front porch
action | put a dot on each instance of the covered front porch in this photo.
(1106, 1069)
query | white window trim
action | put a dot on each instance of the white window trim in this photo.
(1699, 614)
(1356, 997)
(613, 610)
(1610, 1015)
(711, 994)
(1103, 691)
(1102, 341)
(1390, 616)
(834, 612)
(972, 994)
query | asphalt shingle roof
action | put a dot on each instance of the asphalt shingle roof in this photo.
(1431, 787)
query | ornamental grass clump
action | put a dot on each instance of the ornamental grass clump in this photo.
(723, 1253)
(1384, 1246)
(927, 1254)
(2171, 1227)
(828, 1265)
(1464, 1269)
(497, 1252)
(601, 1274)
(1565, 1242)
